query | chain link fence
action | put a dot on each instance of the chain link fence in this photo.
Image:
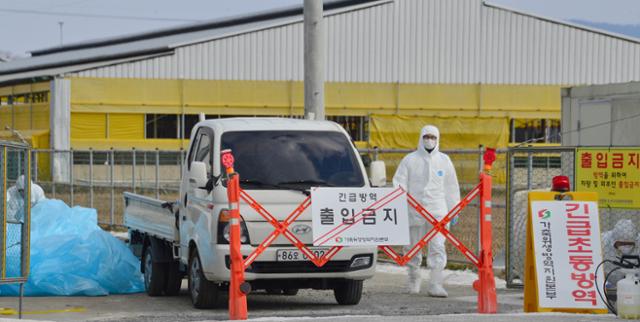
(468, 163)
(98, 178)
(15, 214)
(533, 168)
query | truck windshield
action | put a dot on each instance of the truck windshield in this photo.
(293, 159)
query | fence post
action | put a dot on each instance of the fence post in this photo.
(52, 154)
(157, 173)
(238, 288)
(90, 177)
(480, 170)
(71, 178)
(181, 162)
(133, 169)
(35, 165)
(3, 234)
(485, 285)
(529, 170)
(111, 162)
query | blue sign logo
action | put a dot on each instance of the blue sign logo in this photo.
(440, 173)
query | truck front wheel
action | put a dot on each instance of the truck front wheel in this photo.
(348, 292)
(154, 273)
(204, 294)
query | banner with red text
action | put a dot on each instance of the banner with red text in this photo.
(614, 173)
(566, 239)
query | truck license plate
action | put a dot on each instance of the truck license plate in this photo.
(294, 255)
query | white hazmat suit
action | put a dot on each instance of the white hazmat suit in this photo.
(15, 199)
(430, 178)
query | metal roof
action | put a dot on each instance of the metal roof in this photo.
(406, 41)
(162, 41)
(410, 41)
(560, 22)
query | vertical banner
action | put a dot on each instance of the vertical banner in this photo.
(566, 244)
(614, 173)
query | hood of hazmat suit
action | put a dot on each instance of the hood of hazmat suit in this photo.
(430, 178)
(15, 199)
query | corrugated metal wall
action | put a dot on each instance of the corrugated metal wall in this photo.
(409, 41)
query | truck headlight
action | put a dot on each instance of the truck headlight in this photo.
(224, 229)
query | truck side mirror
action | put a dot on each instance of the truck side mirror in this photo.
(198, 174)
(378, 174)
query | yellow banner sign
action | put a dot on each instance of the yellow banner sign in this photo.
(613, 173)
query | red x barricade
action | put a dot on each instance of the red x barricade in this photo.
(485, 285)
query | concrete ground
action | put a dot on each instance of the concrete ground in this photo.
(384, 299)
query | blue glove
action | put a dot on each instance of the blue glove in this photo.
(454, 221)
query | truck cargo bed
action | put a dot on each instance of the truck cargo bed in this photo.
(149, 215)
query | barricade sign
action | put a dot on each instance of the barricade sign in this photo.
(563, 250)
(357, 212)
(359, 216)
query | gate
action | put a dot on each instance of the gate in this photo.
(15, 216)
(238, 288)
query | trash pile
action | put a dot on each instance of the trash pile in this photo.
(71, 255)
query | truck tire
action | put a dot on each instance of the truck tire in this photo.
(174, 279)
(204, 294)
(154, 273)
(348, 292)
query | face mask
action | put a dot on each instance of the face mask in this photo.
(429, 144)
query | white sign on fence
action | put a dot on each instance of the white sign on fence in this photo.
(566, 239)
(359, 216)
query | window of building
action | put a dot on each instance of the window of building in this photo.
(161, 126)
(167, 126)
(356, 126)
(535, 131)
(190, 121)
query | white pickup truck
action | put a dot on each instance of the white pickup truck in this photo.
(278, 160)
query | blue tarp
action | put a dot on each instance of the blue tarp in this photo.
(72, 255)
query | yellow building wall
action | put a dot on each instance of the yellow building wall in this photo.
(25, 109)
(127, 100)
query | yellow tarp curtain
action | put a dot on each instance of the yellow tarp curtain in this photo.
(390, 131)
(94, 126)
(88, 125)
(126, 126)
(402, 132)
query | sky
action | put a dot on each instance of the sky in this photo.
(35, 24)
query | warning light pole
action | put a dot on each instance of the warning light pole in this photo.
(486, 285)
(238, 288)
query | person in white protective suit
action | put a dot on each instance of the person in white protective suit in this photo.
(429, 176)
(15, 199)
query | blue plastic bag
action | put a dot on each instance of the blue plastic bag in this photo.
(72, 255)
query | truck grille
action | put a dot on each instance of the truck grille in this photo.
(296, 267)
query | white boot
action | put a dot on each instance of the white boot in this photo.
(413, 280)
(435, 288)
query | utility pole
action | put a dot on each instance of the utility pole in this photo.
(61, 23)
(314, 60)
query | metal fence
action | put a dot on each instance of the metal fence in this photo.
(533, 168)
(15, 215)
(97, 179)
(468, 163)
